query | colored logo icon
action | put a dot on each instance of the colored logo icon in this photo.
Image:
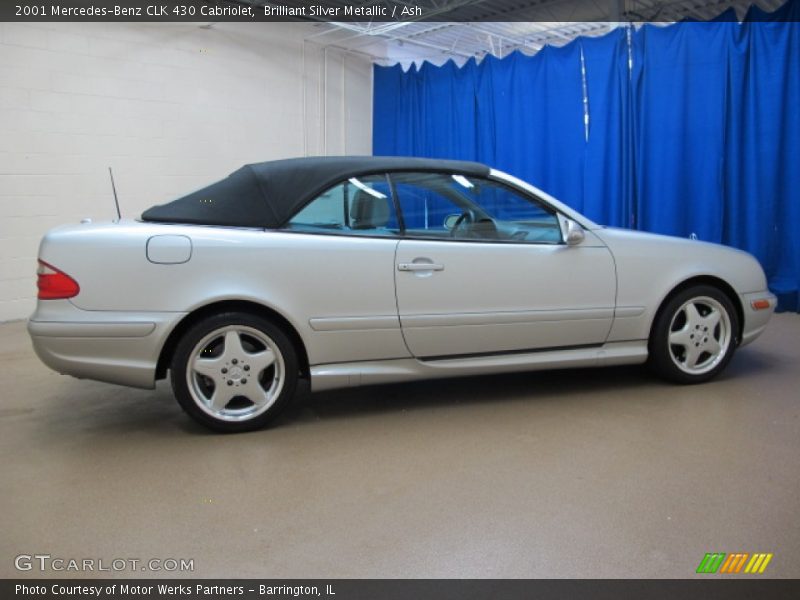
(737, 562)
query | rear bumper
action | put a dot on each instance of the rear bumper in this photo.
(755, 320)
(115, 347)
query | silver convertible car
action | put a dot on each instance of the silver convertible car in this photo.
(354, 271)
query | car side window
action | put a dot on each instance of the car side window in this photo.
(357, 206)
(463, 207)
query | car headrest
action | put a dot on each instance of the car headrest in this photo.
(368, 211)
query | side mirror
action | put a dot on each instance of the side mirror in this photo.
(573, 233)
(450, 221)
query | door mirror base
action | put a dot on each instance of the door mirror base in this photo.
(573, 232)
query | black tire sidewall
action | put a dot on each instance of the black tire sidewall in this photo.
(659, 353)
(182, 356)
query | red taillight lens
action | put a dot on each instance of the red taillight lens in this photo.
(54, 284)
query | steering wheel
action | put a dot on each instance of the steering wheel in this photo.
(464, 219)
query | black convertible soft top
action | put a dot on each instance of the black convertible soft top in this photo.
(268, 194)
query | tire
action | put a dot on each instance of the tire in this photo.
(234, 372)
(694, 335)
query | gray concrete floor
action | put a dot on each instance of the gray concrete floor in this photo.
(590, 473)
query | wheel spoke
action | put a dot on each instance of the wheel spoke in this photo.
(221, 396)
(261, 360)
(713, 347)
(692, 354)
(712, 319)
(692, 316)
(680, 337)
(253, 391)
(233, 346)
(208, 366)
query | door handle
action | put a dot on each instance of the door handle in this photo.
(420, 266)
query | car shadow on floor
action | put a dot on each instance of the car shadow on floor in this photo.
(533, 386)
(540, 386)
(95, 406)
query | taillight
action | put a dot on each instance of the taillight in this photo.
(54, 284)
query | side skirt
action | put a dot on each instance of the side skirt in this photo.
(341, 375)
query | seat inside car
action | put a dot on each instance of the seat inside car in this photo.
(368, 211)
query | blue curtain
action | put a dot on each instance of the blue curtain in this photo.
(679, 78)
(688, 129)
(608, 176)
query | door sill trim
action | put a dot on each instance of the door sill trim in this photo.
(341, 375)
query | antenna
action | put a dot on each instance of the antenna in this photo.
(114, 188)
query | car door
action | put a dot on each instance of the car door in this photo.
(482, 269)
(335, 273)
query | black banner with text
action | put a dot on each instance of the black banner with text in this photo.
(385, 11)
(390, 589)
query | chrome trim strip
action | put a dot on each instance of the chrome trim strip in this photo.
(510, 317)
(626, 312)
(444, 359)
(354, 323)
(90, 330)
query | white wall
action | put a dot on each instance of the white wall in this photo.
(170, 107)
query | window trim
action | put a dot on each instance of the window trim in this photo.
(403, 234)
(401, 221)
(348, 231)
(500, 183)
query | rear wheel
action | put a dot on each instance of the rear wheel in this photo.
(234, 372)
(694, 336)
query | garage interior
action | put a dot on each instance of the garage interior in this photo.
(592, 473)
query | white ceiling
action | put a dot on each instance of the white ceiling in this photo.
(498, 27)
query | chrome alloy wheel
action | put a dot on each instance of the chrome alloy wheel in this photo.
(699, 335)
(235, 373)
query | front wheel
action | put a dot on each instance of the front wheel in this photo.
(694, 335)
(234, 372)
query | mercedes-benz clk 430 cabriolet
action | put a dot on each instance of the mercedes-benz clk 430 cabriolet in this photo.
(364, 270)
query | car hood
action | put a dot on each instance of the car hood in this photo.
(648, 253)
(610, 234)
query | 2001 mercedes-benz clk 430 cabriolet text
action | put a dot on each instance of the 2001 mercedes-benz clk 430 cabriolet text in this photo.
(363, 270)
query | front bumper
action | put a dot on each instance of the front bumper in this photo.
(115, 347)
(755, 320)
